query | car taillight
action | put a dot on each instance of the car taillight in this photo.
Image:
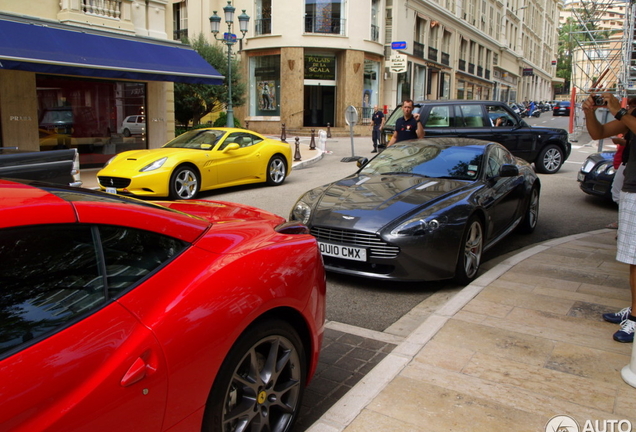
(292, 227)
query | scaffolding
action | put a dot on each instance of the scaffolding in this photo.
(603, 53)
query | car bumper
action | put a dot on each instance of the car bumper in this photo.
(596, 184)
(151, 184)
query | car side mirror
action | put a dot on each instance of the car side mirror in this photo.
(362, 162)
(508, 170)
(231, 146)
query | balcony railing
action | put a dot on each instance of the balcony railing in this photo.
(462, 65)
(102, 8)
(375, 33)
(480, 71)
(471, 68)
(487, 76)
(432, 54)
(446, 59)
(418, 50)
(180, 34)
(324, 25)
(263, 26)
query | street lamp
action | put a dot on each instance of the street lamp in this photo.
(229, 39)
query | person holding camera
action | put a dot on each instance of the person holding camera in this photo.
(624, 122)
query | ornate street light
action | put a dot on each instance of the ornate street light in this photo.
(229, 39)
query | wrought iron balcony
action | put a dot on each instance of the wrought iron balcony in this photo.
(462, 65)
(375, 33)
(418, 50)
(432, 54)
(263, 26)
(180, 34)
(480, 71)
(445, 59)
(471, 68)
(324, 25)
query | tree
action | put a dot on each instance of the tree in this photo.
(194, 101)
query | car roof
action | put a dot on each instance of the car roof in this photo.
(31, 203)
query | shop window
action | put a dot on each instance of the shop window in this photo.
(265, 86)
(92, 116)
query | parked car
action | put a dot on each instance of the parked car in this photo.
(118, 313)
(59, 120)
(547, 148)
(597, 174)
(422, 210)
(198, 160)
(133, 125)
(561, 108)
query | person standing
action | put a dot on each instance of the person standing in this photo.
(626, 246)
(408, 126)
(377, 123)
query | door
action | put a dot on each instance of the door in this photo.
(242, 165)
(319, 105)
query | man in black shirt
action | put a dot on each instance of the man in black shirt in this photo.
(377, 122)
(407, 127)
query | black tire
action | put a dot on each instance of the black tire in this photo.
(127, 132)
(261, 381)
(471, 250)
(531, 216)
(550, 159)
(276, 170)
(184, 183)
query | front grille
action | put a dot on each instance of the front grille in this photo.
(116, 182)
(377, 247)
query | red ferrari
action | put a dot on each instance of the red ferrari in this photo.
(117, 314)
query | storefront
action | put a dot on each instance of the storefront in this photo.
(65, 87)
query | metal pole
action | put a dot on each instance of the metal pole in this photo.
(230, 112)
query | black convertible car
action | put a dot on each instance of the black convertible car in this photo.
(422, 210)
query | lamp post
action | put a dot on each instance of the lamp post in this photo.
(229, 39)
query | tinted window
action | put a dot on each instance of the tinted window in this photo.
(53, 275)
(471, 116)
(439, 116)
(500, 117)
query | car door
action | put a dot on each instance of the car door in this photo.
(472, 122)
(71, 357)
(514, 134)
(242, 164)
(438, 120)
(502, 195)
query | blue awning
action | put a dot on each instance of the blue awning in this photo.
(33, 47)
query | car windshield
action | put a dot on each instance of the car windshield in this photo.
(430, 160)
(195, 138)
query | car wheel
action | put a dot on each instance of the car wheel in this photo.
(127, 132)
(184, 183)
(276, 171)
(531, 217)
(549, 160)
(470, 256)
(260, 383)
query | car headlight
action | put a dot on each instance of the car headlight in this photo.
(301, 212)
(605, 167)
(155, 165)
(419, 225)
(588, 165)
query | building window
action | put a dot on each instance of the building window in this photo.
(370, 95)
(265, 86)
(324, 16)
(263, 21)
(375, 27)
(180, 20)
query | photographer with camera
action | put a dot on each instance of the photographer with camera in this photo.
(624, 123)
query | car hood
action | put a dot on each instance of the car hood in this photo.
(370, 202)
(145, 157)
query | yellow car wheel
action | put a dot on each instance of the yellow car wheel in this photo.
(276, 171)
(184, 183)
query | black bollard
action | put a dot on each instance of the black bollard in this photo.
(312, 143)
(247, 124)
(328, 130)
(297, 153)
(283, 133)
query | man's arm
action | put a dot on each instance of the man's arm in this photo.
(393, 139)
(420, 130)
(595, 128)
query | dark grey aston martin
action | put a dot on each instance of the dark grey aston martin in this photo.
(422, 210)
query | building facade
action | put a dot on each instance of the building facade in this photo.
(306, 61)
(74, 73)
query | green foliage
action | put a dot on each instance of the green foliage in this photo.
(194, 101)
(222, 121)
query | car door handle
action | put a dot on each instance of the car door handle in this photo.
(139, 370)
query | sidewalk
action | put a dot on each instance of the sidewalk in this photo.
(523, 343)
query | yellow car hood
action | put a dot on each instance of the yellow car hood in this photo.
(146, 157)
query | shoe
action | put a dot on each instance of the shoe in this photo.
(613, 225)
(626, 333)
(618, 317)
(374, 151)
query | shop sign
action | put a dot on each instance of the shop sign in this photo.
(320, 67)
(397, 63)
(528, 72)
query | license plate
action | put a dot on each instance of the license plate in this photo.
(581, 176)
(344, 252)
(111, 190)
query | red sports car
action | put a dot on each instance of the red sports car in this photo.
(117, 314)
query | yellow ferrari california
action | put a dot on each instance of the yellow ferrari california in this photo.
(198, 160)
